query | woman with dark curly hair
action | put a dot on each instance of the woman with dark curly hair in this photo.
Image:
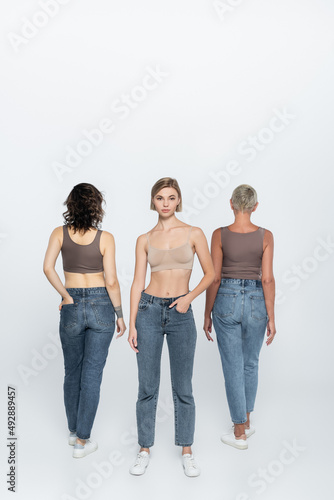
(90, 298)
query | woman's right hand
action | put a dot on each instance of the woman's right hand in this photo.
(132, 338)
(208, 327)
(271, 331)
(68, 300)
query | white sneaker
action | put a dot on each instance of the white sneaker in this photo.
(72, 438)
(191, 468)
(230, 439)
(139, 467)
(249, 432)
(81, 451)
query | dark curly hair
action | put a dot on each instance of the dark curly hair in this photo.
(84, 207)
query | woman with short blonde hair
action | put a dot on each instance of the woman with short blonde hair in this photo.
(162, 309)
(241, 300)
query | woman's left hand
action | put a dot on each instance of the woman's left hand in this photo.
(182, 304)
(120, 327)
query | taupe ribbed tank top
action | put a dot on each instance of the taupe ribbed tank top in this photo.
(242, 254)
(81, 258)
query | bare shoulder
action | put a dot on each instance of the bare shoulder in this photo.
(268, 235)
(216, 233)
(268, 239)
(197, 235)
(57, 233)
(142, 240)
(107, 237)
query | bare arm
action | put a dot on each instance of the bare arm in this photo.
(110, 277)
(211, 292)
(268, 283)
(138, 285)
(204, 257)
(51, 255)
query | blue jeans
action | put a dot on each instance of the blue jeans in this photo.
(154, 320)
(86, 329)
(239, 318)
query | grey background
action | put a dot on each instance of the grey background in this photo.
(225, 75)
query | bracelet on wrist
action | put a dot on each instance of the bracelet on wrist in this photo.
(119, 312)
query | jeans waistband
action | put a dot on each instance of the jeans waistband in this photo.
(160, 300)
(241, 282)
(84, 292)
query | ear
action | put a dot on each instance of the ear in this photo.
(231, 204)
(255, 206)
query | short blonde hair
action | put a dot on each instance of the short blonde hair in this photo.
(163, 183)
(244, 198)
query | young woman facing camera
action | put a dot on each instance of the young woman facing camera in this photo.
(164, 308)
(90, 298)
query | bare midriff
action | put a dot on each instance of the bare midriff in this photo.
(88, 280)
(169, 283)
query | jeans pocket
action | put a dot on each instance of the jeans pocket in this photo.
(143, 304)
(104, 312)
(225, 304)
(68, 315)
(258, 307)
(188, 310)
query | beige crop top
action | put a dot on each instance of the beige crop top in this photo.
(180, 257)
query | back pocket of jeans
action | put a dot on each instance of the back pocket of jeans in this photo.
(68, 315)
(104, 313)
(225, 304)
(258, 307)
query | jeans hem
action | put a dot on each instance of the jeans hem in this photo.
(83, 438)
(144, 446)
(184, 445)
(240, 423)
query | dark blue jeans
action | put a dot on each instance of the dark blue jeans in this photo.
(239, 318)
(86, 329)
(155, 320)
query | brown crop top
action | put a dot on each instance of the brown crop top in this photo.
(242, 254)
(81, 258)
(180, 257)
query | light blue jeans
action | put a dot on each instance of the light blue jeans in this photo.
(154, 321)
(86, 328)
(239, 318)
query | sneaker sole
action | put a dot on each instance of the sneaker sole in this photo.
(243, 447)
(137, 473)
(82, 455)
(190, 475)
(250, 433)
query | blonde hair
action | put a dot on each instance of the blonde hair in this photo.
(244, 198)
(163, 183)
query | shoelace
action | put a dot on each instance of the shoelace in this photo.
(139, 460)
(190, 462)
